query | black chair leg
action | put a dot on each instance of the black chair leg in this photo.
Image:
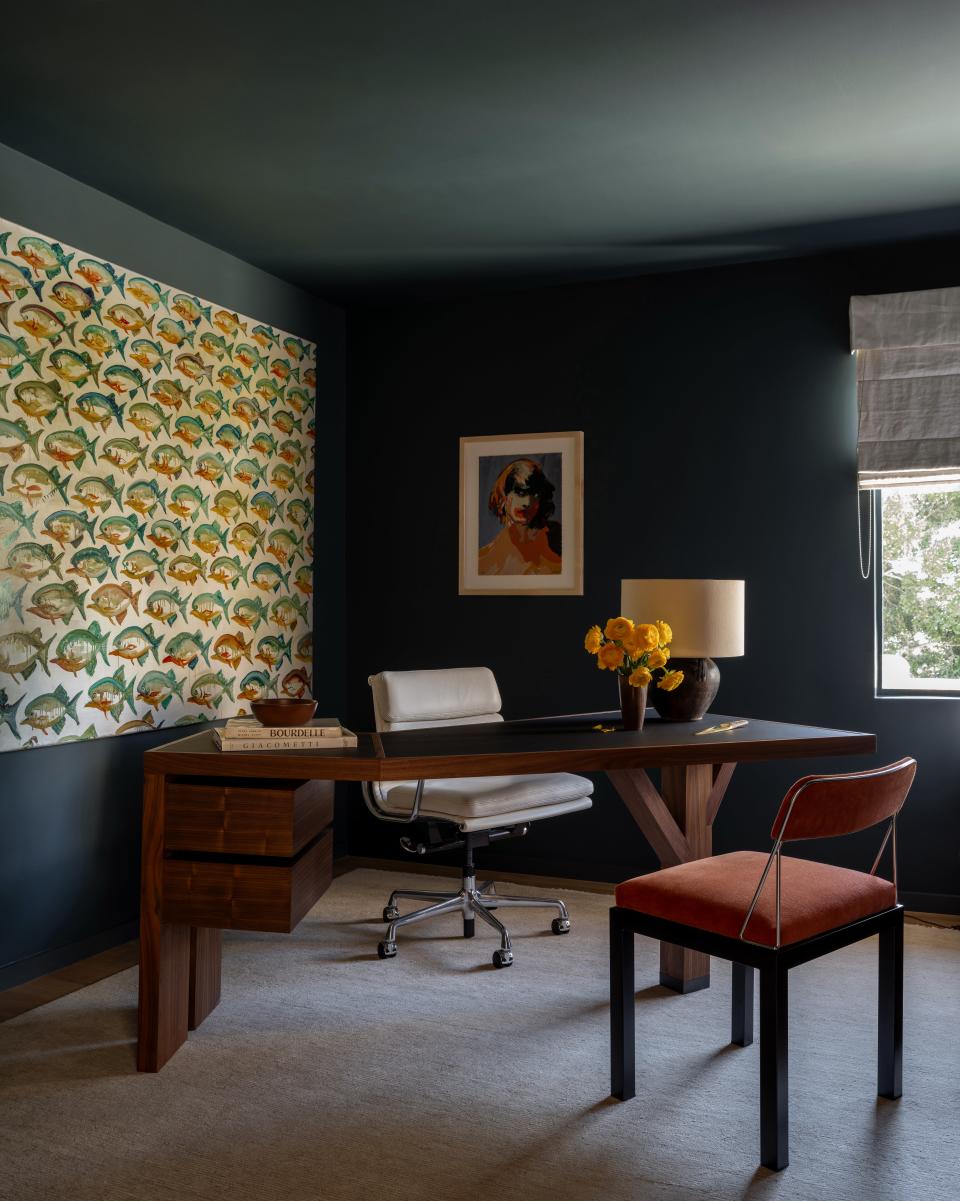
(774, 1125)
(741, 1019)
(623, 1083)
(890, 1042)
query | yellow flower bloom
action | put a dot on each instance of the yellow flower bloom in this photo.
(648, 637)
(671, 680)
(639, 678)
(609, 657)
(666, 634)
(657, 658)
(619, 628)
(593, 640)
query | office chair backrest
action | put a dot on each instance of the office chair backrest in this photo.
(823, 806)
(454, 696)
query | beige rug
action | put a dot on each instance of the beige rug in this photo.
(328, 1075)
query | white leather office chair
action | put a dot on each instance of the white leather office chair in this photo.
(468, 813)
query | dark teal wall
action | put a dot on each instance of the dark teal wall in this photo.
(720, 438)
(70, 815)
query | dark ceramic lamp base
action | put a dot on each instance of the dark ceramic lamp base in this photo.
(689, 702)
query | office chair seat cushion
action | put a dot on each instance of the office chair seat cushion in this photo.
(714, 894)
(482, 797)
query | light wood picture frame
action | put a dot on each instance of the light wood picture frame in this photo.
(521, 514)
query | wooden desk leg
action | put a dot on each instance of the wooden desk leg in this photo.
(206, 945)
(164, 949)
(686, 791)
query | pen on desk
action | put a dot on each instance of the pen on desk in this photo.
(724, 727)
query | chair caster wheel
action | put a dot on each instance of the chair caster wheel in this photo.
(386, 950)
(560, 925)
(391, 913)
(502, 958)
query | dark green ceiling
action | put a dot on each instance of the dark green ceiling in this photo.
(357, 147)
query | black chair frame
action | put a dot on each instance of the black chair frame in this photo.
(773, 964)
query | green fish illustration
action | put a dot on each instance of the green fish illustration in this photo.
(56, 602)
(51, 710)
(264, 335)
(247, 471)
(135, 643)
(268, 577)
(291, 451)
(187, 568)
(249, 356)
(102, 340)
(88, 734)
(12, 350)
(283, 545)
(16, 281)
(190, 308)
(227, 570)
(37, 399)
(304, 649)
(284, 478)
(167, 460)
(298, 399)
(35, 483)
(192, 431)
(22, 651)
(229, 503)
(206, 608)
(74, 367)
(169, 392)
(69, 446)
(146, 292)
(149, 418)
(121, 531)
(268, 389)
(231, 378)
(99, 409)
(150, 355)
(76, 299)
(209, 689)
(111, 693)
(124, 453)
(167, 534)
(100, 276)
(295, 348)
(145, 495)
(8, 712)
(267, 507)
(272, 650)
(185, 650)
(126, 381)
(15, 437)
(175, 332)
(231, 438)
(158, 688)
(211, 467)
(93, 563)
(94, 492)
(256, 685)
(298, 511)
(65, 526)
(285, 422)
(248, 411)
(193, 367)
(131, 320)
(77, 651)
(209, 537)
(11, 600)
(46, 258)
(186, 500)
(303, 579)
(13, 518)
(142, 565)
(41, 322)
(215, 345)
(264, 443)
(286, 611)
(246, 536)
(31, 561)
(210, 402)
(163, 605)
(249, 611)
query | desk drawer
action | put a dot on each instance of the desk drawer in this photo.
(245, 817)
(270, 895)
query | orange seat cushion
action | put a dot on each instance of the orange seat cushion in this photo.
(715, 894)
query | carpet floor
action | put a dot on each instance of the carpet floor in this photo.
(327, 1075)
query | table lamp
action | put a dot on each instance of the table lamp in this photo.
(707, 621)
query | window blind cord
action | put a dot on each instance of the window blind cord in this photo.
(865, 570)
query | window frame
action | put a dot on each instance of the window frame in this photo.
(881, 693)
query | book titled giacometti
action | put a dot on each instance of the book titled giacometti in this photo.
(248, 734)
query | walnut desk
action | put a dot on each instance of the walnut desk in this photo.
(243, 840)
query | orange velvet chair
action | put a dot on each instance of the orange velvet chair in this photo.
(774, 912)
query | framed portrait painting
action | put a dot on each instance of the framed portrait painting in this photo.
(521, 514)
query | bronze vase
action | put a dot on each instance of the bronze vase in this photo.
(633, 704)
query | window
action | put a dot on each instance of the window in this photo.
(919, 591)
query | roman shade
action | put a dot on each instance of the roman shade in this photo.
(908, 387)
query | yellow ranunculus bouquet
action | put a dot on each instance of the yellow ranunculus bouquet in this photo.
(634, 650)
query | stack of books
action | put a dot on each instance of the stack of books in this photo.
(248, 734)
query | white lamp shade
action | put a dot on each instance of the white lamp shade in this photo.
(706, 616)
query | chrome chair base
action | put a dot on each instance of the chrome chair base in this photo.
(472, 902)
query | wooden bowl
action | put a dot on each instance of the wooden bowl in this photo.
(283, 711)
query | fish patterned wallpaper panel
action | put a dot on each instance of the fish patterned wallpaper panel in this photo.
(156, 501)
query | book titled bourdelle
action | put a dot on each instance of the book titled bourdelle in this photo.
(248, 734)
